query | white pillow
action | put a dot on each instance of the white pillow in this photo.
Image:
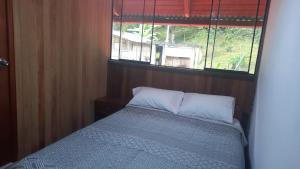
(220, 108)
(168, 100)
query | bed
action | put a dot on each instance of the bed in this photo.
(142, 138)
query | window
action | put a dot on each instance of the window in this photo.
(196, 34)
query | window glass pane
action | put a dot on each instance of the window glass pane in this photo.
(258, 35)
(146, 46)
(136, 30)
(210, 47)
(180, 46)
(131, 32)
(232, 48)
(148, 19)
(230, 44)
(115, 41)
(116, 28)
(131, 41)
(255, 50)
(212, 24)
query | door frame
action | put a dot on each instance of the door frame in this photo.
(12, 77)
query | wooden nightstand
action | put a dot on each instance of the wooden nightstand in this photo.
(106, 106)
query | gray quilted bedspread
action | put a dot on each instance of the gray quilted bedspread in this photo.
(136, 138)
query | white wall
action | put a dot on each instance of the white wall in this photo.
(275, 126)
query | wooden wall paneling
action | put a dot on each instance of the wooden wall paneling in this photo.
(113, 83)
(123, 77)
(158, 80)
(62, 49)
(27, 47)
(100, 46)
(52, 70)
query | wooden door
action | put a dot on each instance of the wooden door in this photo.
(7, 110)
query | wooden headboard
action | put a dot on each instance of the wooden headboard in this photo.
(123, 76)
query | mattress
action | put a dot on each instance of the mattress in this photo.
(137, 138)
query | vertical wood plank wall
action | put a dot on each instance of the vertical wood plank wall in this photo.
(62, 48)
